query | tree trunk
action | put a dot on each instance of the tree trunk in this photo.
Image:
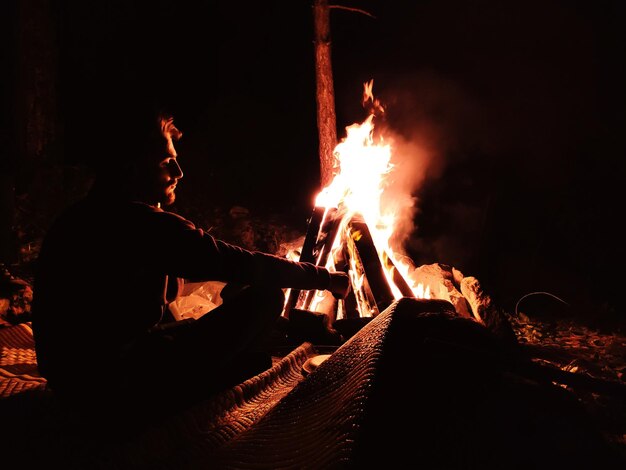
(34, 114)
(36, 97)
(326, 120)
(8, 141)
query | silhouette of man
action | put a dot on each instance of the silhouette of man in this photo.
(110, 265)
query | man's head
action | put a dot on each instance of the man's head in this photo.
(139, 158)
(157, 169)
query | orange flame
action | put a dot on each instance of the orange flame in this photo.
(363, 168)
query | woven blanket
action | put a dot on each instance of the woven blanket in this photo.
(18, 364)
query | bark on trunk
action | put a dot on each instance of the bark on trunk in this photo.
(29, 128)
(325, 93)
(36, 99)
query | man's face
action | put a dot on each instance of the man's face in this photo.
(161, 172)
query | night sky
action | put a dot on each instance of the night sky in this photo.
(509, 115)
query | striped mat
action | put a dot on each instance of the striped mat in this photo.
(18, 364)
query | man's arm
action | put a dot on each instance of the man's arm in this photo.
(195, 254)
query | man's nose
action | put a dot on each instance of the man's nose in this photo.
(175, 170)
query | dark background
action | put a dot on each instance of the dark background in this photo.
(508, 118)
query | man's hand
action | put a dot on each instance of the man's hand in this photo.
(339, 284)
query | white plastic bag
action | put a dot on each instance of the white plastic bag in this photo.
(197, 299)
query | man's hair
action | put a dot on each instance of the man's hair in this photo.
(168, 130)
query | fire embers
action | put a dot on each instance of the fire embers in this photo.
(346, 244)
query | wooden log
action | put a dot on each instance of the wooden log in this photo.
(549, 373)
(484, 310)
(306, 254)
(360, 301)
(312, 234)
(323, 248)
(328, 233)
(349, 306)
(361, 248)
(398, 278)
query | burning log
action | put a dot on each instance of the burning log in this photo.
(397, 277)
(312, 234)
(363, 254)
(306, 254)
(326, 238)
(374, 276)
(323, 246)
(360, 301)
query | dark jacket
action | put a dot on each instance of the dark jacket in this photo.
(107, 268)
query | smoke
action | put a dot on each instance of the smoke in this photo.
(410, 163)
(484, 163)
(427, 124)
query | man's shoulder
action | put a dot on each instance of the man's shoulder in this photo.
(95, 215)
